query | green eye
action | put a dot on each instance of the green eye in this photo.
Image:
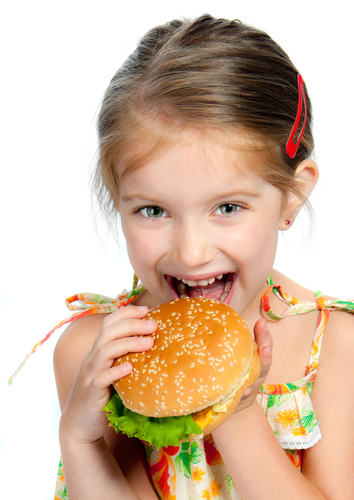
(228, 208)
(153, 212)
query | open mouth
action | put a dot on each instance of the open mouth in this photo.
(215, 287)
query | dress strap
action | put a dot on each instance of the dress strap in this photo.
(297, 306)
(87, 304)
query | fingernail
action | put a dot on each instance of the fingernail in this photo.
(267, 350)
(141, 308)
(149, 323)
(126, 367)
(145, 340)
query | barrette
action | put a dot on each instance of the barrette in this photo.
(291, 146)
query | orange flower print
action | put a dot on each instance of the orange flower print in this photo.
(299, 431)
(206, 494)
(287, 417)
(215, 488)
(197, 474)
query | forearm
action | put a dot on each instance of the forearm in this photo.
(257, 464)
(91, 471)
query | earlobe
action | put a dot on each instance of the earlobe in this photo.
(305, 179)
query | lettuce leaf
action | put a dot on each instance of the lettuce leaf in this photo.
(159, 432)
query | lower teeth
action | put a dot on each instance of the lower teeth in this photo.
(227, 289)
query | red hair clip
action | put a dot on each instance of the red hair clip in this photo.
(291, 146)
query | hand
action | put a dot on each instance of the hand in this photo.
(264, 342)
(121, 332)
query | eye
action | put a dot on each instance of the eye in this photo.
(152, 212)
(228, 209)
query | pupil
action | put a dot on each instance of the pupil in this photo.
(154, 211)
(227, 209)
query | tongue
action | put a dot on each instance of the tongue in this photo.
(214, 291)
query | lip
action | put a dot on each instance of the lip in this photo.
(200, 277)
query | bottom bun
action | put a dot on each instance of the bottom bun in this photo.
(208, 419)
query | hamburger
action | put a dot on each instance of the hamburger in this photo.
(191, 380)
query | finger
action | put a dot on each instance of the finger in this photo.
(265, 345)
(124, 328)
(107, 353)
(247, 393)
(125, 313)
(104, 379)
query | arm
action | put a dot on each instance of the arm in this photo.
(259, 466)
(112, 463)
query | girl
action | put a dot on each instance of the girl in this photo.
(205, 145)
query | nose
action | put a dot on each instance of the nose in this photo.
(192, 245)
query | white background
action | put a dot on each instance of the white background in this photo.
(57, 59)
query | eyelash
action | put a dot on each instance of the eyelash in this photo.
(239, 208)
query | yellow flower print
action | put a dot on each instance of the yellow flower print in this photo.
(215, 488)
(206, 494)
(197, 474)
(299, 431)
(287, 417)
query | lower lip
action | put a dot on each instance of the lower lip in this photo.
(226, 301)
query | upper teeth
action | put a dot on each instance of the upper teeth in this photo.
(201, 282)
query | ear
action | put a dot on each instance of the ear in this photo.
(305, 179)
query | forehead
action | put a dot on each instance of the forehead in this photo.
(198, 165)
(230, 149)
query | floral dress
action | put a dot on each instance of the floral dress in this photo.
(195, 470)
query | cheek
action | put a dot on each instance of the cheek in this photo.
(256, 243)
(143, 251)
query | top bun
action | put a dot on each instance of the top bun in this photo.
(202, 349)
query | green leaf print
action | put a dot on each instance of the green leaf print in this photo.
(292, 387)
(283, 398)
(271, 400)
(148, 450)
(186, 457)
(308, 419)
(96, 298)
(62, 494)
(230, 483)
(60, 468)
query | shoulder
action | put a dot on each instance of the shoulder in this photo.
(70, 350)
(293, 288)
(338, 342)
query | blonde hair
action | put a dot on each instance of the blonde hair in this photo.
(209, 74)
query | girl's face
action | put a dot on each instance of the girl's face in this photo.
(196, 225)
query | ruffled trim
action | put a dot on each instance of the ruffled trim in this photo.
(303, 444)
(290, 413)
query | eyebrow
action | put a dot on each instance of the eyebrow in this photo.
(231, 194)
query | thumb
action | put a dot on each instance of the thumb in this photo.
(264, 342)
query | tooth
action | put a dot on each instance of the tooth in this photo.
(211, 281)
(185, 281)
(219, 277)
(228, 286)
(178, 279)
(183, 296)
(203, 283)
(181, 288)
(192, 283)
